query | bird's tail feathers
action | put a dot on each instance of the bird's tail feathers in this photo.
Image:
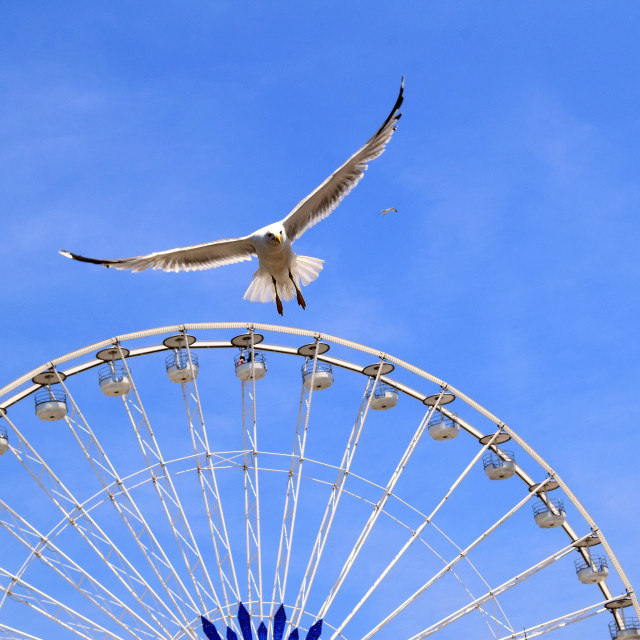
(303, 268)
(307, 268)
(261, 288)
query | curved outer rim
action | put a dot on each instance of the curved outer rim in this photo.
(216, 326)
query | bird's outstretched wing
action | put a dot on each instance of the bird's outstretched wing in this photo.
(194, 258)
(321, 202)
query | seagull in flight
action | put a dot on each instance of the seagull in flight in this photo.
(281, 272)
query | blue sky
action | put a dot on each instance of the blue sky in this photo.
(509, 270)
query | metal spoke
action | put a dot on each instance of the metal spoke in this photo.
(167, 494)
(125, 505)
(558, 623)
(492, 593)
(9, 633)
(465, 555)
(53, 609)
(415, 534)
(583, 512)
(334, 499)
(75, 576)
(251, 490)
(210, 492)
(449, 566)
(375, 513)
(293, 485)
(82, 522)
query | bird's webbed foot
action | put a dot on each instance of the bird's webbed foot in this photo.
(299, 297)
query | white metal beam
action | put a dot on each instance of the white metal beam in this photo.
(375, 513)
(334, 499)
(293, 486)
(492, 593)
(252, 489)
(168, 496)
(210, 492)
(558, 623)
(54, 610)
(81, 520)
(123, 502)
(9, 633)
(75, 575)
(415, 534)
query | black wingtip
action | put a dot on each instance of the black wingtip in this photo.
(399, 100)
(394, 115)
(400, 95)
(75, 256)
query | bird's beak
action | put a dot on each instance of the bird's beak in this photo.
(278, 237)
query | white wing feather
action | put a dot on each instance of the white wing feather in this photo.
(194, 258)
(321, 202)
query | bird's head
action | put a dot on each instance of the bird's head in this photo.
(273, 235)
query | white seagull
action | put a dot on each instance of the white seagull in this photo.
(281, 272)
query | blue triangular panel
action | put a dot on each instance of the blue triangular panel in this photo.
(245, 622)
(244, 618)
(231, 634)
(209, 630)
(315, 631)
(279, 620)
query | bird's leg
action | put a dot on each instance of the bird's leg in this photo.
(299, 297)
(278, 301)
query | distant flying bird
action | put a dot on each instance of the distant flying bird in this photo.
(385, 211)
(280, 271)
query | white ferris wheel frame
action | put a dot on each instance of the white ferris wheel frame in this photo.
(159, 471)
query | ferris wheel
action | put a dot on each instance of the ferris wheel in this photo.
(232, 480)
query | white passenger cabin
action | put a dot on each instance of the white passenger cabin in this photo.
(323, 377)
(593, 570)
(499, 467)
(384, 397)
(51, 405)
(248, 368)
(443, 428)
(182, 366)
(4, 441)
(549, 515)
(629, 629)
(113, 379)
